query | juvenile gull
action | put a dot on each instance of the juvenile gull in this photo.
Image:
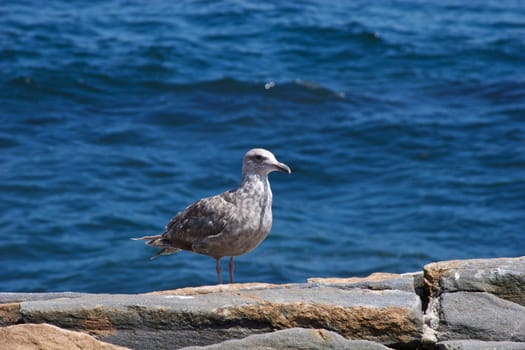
(228, 224)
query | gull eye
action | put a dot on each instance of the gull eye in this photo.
(258, 157)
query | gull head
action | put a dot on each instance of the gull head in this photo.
(262, 162)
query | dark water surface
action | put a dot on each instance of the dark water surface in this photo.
(403, 121)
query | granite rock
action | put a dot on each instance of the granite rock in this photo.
(479, 345)
(18, 297)
(503, 277)
(10, 314)
(408, 282)
(48, 337)
(476, 299)
(469, 304)
(390, 317)
(481, 316)
(294, 339)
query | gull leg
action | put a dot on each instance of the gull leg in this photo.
(230, 268)
(219, 269)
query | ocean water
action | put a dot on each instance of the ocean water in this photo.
(403, 123)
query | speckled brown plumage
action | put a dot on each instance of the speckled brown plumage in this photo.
(229, 224)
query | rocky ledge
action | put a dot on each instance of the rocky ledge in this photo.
(461, 304)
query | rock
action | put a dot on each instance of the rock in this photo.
(390, 317)
(48, 337)
(10, 314)
(10, 304)
(18, 297)
(481, 299)
(503, 277)
(220, 288)
(482, 316)
(479, 345)
(408, 282)
(294, 339)
(430, 324)
(469, 304)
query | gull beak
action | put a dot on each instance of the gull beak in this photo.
(283, 167)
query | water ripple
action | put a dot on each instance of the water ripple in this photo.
(402, 121)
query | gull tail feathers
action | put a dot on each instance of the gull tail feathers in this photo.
(158, 241)
(165, 251)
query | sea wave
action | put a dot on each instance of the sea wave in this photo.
(403, 123)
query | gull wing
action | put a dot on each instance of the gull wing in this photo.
(206, 217)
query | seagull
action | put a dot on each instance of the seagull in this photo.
(228, 224)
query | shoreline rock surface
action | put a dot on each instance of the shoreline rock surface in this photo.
(456, 304)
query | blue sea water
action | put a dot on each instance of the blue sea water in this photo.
(403, 122)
